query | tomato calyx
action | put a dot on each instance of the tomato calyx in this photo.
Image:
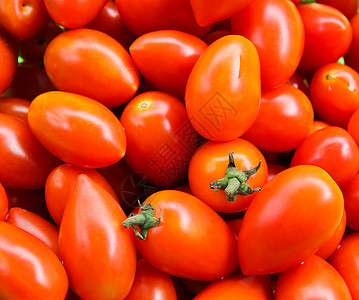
(144, 220)
(235, 182)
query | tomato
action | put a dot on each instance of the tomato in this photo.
(315, 278)
(4, 203)
(317, 125)
(293, 114)
(351, 57)
(160, 138)
(224, 109)
(8, 59)
(341, 159)
(351, 202)
(297, 211)
(78, 130)
(209, 163)
(35, 225)
(328, 35)
(17, 107)
(111, 22)
(181, 241)
(42, 274)
(23, 19)
(300, 81)
(24, 162)
(353, 126)
(98, 253)
(238, 287)
(84, 53)
(235, 224)
(145, 16)
(209, 12)
(349, 7)
(334, 92)
(151, 283)
(172, 54)
(59, 184)
(74, 13)
(276, 29)
(345, 261)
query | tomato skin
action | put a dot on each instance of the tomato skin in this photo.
(98, 253)
(222, 110)
(35, 225)
(23, 19)
(341, 159)
(349, 8)
(42, 274)
(66, 12)
(209, 163)
(276, 29)
(351, 57)
(351, 202)
(315, 278)
(79, 130)
(24, 162)
(160, 138)
(59, 184)
(84, 53)
(181, 246)
(4, 203)
(328, 35)
(293, 114)
(300, 81)
(17, 107)
(310, 204)
(353, 126)
(274, 169)
(317, 125)
(172, 54)
(238, 287)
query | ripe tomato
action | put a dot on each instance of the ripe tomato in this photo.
(160, 138)
(4, 203)
(209, 163)
(300, 81)
(24, 162)
(276, 29)
(297, 211)
(317, 125)
(349, 7)
(17, 107)
(8, 59)
(182, 243)
(351, 57)
(94, 59)
(353, 126)
(293, 114)
(315, 278)
(351, 202)
(42, 274)
(223, 109)
(328, 35)
(98, 253)
(172, 54)
(341, 159)
(78, 130)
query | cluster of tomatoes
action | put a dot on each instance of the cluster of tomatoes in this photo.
(179, 149)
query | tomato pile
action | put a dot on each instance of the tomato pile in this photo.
(179, 149)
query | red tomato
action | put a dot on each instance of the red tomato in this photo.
(42, 274)
(293, 114)
(172, 54)
(351, 56)
(315, 278)
(297, 211)
(59, 184)
(79, 130)
(300, 81)
(348, 7)
(23, 19)
(334, 92)
(151, 15)
(180, 244)
(224, 109)
(151, 283)
(209, 164)
(24, 162)
(160, 138)
(317, 125)
(4, 203)
(351, 202)
(85, 53)
(17, 107)
(74, 13)
(341, 159)
(328, 35)
(238, 287)
(346, 261)
(276, 29)
(353, 126)
(8, 59)
(35, 225)
(98, 253)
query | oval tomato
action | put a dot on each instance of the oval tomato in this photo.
(17, 107)
(79, 130)
(317, 125)
(349, 7)
(353, 126)
(351, 57)
(300, 81)
(276, 29)
(100, 67)
(351, 202)
(224, 109)
(297, 211)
